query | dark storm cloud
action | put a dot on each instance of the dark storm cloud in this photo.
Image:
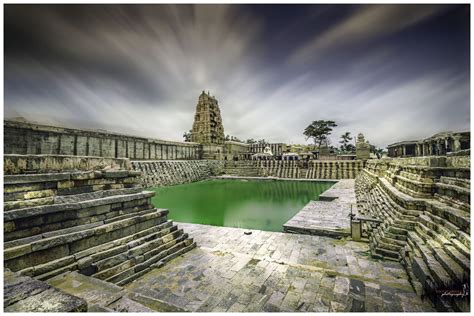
(392, 72)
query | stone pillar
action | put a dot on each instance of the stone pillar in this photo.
(457, 143)
(439, 146)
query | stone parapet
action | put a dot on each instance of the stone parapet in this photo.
(33, 139)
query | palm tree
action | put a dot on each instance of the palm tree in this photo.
(345, 140)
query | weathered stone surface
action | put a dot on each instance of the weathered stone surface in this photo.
(425, 207)
(326, 218)
(16, 251)
(92, 290)
(32, 178)
(24, 294)
(231, 271)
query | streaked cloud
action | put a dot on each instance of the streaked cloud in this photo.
(139, 69)
(365, 24)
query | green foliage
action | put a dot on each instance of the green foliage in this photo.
(346, 146)
(232, 138)
(187, 136)
(319, 131)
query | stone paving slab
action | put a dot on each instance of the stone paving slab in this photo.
(330, 215)
(271, 271)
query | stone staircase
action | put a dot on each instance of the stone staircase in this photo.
(426, 223)
(313, 169)
(242, 168)
(99, 223)
(172, 172)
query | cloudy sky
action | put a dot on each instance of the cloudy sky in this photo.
(392, 72)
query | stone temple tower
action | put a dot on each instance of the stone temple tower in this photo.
(207, 126)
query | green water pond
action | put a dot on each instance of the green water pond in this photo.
(253, 204)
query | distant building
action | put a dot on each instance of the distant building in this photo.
(277, 149)
(236, 151)
(436, 145)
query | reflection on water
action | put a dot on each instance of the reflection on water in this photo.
(264, 205)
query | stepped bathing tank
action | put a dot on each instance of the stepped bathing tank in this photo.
(77, 211)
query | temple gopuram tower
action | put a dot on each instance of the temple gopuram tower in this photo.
(207, 127)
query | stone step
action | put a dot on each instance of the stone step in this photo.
(465, 183)
(386, 253)
(458, 217)
(388, 246)
(439, 224)
(45, 223)
(398, 231)
(458, 190)
(451, 266)
(464, 238)
(153, 259)
(455, 203)
(155, 304)
(439, 274)
(396, 242)
(176, 250)
(55, 208)
(95, 195)
(400, 238)
(457, 256)
(114, 259)
(74, 229)
(24, 294)
(38, 252)
(138, 250)
(143, 261)
(430, 234)
(100, 296)
(461, 248)
(37, 189)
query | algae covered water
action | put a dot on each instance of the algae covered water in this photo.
(253, 204)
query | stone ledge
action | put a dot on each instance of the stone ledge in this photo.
(24, 294)
(54, 208)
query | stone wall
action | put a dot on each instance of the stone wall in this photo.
(162, 173)
(23, 164)
(313, 169)
(28, 138)
(424, 205)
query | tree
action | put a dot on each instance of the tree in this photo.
(350, 148)
(250, 141)
(187, 136)
(345, 141)
(319, 131)
(379, 152)
(262, 141)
